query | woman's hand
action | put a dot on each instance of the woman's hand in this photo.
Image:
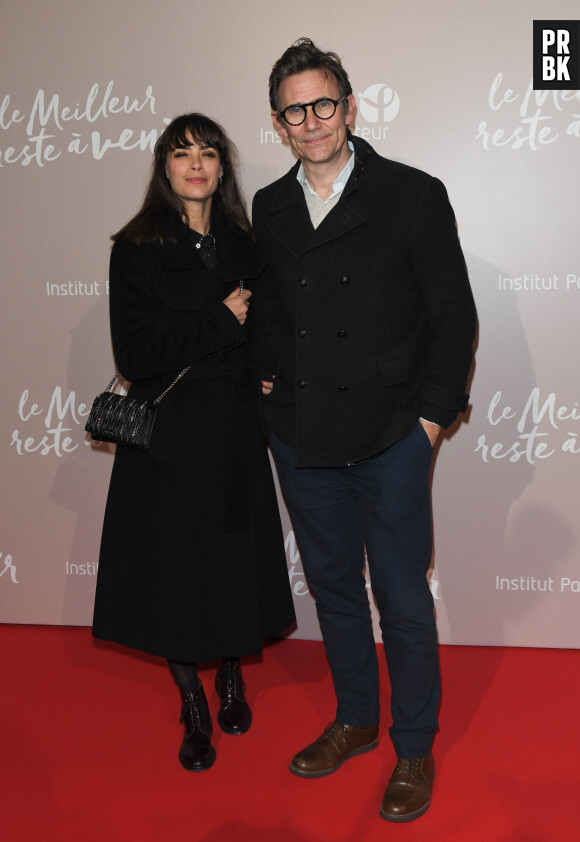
(238, 303)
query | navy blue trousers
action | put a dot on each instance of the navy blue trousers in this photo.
(384, 505)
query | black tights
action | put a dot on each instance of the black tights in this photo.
(185, 675)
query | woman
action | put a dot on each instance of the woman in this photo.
(192, 563)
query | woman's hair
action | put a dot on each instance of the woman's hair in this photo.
(305, 55)
(161, 203)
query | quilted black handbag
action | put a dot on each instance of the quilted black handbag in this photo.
(123, 420)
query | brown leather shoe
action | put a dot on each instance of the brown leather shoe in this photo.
(408, 793)
(338, 743)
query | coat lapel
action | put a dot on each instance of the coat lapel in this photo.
(290, 223)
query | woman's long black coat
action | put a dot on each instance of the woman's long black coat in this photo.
(192, 564)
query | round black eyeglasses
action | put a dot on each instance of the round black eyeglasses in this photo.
(324, 108)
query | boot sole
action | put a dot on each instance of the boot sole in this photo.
(408, 818)
(321, 774)
(236, 731)
(198, 768)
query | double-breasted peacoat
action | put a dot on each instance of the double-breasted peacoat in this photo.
(192, 563)
(367, 322)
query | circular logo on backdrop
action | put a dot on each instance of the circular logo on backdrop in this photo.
(379, 103)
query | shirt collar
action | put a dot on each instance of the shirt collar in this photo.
(339, 182)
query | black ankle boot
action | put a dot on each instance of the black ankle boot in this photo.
(196, 752)
(235, 716)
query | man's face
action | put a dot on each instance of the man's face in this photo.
(315, 141)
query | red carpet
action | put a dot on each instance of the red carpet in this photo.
(90, 735)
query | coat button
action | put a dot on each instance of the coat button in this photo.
(301, 282)
(301, 384)
(343, 388)
(301, 333)
(345, 280)
(342, 334)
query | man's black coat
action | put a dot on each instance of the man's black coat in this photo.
(367, 322)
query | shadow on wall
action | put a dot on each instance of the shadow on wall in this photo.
(474, 493)
(82, 478)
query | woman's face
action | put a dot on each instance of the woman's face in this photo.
(193, 172)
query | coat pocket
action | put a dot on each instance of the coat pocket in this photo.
(400, 369)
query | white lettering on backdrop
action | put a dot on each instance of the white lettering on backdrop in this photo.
(9, 568)
(46, 122)
(530, 117)
(299, 587)
(62, 417)
(526, 440)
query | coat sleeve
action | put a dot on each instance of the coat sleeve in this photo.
(267, 305)
(451, 316)
(149, 339)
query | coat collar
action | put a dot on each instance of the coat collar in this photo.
(238, 256)
(290, 222)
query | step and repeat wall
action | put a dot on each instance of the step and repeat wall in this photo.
(441, 85)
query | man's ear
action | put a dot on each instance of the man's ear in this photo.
(350, 110)
(278, 124)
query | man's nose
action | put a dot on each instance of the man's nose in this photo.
(312, 121)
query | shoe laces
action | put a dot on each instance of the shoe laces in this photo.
(234, 685)
(190, 713)
(335, 726)
(407, 766)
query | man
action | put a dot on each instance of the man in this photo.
(365, 325)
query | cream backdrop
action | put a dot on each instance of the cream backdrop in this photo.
(443, 85)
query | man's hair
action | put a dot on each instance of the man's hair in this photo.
(305, 55)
